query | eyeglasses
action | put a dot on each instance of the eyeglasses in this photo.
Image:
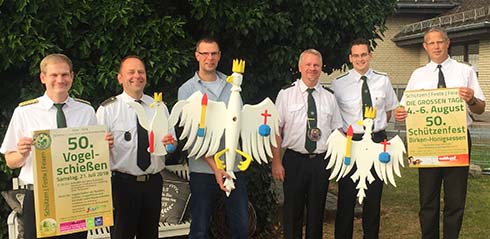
(208, 54)
(363, 55)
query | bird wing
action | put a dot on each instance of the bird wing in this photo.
(140, 112)
(251, 119)
(336, 149)
(189, 112)
(396, 149)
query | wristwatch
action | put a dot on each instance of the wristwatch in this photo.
(472, 101)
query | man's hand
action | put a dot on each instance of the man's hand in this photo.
(16, 159)
(110, 139)
(278, 172)
(220, 175)
(466, 94)
(168, 139)
(24, 146)
(170, 143)
(400, 113)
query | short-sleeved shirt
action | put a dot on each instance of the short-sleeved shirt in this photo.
(221, 92)
(347, 90)
(41, 115)
(292, 106)
(456, 74)
(121, 120)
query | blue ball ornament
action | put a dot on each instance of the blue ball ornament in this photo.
(200, 132)
(384, 157)
(264, 130)
(170, 148)
(347, 160)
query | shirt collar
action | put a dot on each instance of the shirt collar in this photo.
(357, 76)
(303, 87)
(444, 65)
(219, 77)
(147, 100)
(47, 103)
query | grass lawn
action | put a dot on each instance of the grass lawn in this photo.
(400, 205)
(400, 208)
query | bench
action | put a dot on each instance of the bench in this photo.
(164, 229)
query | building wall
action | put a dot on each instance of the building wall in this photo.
(398, 62)
(484, 69)
(387, 57)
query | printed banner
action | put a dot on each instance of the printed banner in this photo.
(72, 180)
(436, 128)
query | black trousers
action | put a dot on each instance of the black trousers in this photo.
(29, 220)
(455, 181)
(346, 201)
(137, 206)
(305, 184)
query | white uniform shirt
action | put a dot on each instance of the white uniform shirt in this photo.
(42, 116)
(120, 119)
(292, 106)
(347, 89)
(456, 74)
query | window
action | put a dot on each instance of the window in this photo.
(467, 53)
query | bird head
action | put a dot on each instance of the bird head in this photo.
(157, 99)
(238, 69)
(368, 121)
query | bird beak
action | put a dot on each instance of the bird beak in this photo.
(229, 79)
(360, 122)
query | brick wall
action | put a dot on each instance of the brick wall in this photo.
(398, 62)
(387, 57)
(484, 70)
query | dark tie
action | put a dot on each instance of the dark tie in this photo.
(310, 145)
(366, 96)
(143, 156)
(442, 82)
(60, 116)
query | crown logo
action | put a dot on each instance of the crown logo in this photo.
(370, 113)
(238, 66)
(157, 97)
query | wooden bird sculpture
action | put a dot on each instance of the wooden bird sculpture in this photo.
(345, 153)
(157, 128)
(204, 122)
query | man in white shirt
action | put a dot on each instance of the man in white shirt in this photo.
(309, 113)
(41, 114)
(136, 180)
(348, 92)
(456, 74)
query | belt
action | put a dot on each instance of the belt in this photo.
(139, 178)
(310, 156)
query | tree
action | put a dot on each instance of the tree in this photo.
(268, 34)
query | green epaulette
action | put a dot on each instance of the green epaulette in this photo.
(326, 88)
(28, 102)
(109, 101)
(289, 86)
(343, 75)
(82, 101)
(380, 73)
